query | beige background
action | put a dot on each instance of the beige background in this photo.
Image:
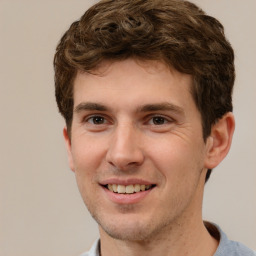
(41, 212)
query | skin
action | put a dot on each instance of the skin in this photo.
(137, 120)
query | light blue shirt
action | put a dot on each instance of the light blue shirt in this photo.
(226, 247)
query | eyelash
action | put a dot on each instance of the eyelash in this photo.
(162, 118)
(148, 120)
(87, 120)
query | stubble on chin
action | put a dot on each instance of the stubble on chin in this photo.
(135, 231)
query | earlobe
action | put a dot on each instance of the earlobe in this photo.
(68, 148)
(219, 141)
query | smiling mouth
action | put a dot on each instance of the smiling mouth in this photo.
(130, 189)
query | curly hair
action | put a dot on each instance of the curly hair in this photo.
(175, 32)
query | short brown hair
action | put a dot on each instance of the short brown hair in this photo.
(175, 32)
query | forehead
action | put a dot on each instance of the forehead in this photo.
(133, 82)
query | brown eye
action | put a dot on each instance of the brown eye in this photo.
(96, 120)
(158, 120)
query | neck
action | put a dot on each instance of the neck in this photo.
(186, 242)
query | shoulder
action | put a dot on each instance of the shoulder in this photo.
(94, 251)
(231, 248)
(226, 247)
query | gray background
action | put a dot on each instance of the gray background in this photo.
(41, 212)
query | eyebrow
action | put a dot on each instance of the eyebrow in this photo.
(89, 106)
(163, 106)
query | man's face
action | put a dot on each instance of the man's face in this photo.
(136, 130)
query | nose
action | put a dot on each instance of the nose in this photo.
(124, 149)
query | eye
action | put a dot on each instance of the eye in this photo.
(158, 120)
(96, 120)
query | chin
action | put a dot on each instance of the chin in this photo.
(132, 229)
(131, 233)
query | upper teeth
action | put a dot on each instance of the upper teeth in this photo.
(121, 189)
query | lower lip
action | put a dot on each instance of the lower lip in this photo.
(127, 198)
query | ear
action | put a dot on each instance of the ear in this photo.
(219, 141)
(68, 147)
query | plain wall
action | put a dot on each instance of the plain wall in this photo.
(41, 212)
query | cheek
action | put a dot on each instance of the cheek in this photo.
(87, 156)
(176, 159)
(87, 160)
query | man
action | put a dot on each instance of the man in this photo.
(145, 89)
